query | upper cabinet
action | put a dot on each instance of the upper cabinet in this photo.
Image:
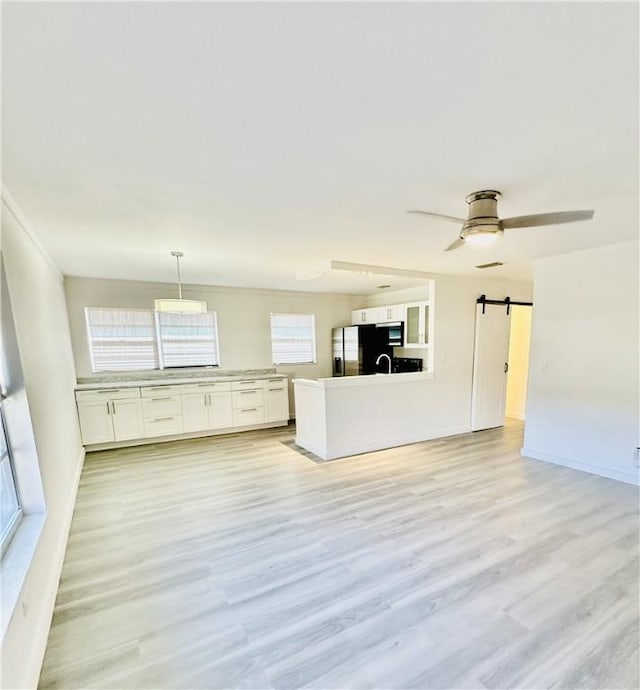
(393, 312)
(416, 326)
(364, 316)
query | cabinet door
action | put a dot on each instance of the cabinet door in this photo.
(412, 326)
(360, 316)
(195, 412)
(95, 421)
(126, 416)
(221, 410)
(416, 327)
(276, 404)
(396, 312)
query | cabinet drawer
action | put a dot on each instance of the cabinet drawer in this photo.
(157, 391)
(244, 399)
(107, 394)
(163, 426)
(206, 387)
(250, 415)
(272, 384)
(245, 385)
(161, 406)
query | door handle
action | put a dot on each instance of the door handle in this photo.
(506, 367)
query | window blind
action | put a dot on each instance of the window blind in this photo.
(293, 339)
(188, 340)
(121, 339)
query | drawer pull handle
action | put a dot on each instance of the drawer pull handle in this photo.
(276, 389)
(247, 392)
(157, 399)
(108, 390)
(162, 419)
(249, 409)
(247, 382)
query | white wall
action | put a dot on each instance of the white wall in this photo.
(243, 319)
(37, 296)
(582, 404)
(448, 395)
(519, 347)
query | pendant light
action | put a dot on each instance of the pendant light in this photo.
(180, 306)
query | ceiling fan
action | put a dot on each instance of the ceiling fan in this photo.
(483, 225)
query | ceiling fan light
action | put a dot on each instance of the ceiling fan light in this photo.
(481, 239)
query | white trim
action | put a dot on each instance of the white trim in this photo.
(16, 563)
(15, 211)
(40, 644)
(627, 477)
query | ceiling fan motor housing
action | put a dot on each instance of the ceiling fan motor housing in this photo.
(483, 214)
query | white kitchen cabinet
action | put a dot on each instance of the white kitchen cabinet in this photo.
(195, 411)
(248, 402)
(162, 410)
(417, 324)
(209, 408)
(95, 421)
(276, 400)
(110, 415)
(364, 316)
(221, 410)
(392, 312)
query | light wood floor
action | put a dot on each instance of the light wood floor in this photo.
(236, 562)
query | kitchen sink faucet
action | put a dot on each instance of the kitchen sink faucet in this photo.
(384, 354)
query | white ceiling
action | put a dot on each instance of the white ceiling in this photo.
(266, 139)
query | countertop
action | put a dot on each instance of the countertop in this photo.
(128, 380)
(366, 380)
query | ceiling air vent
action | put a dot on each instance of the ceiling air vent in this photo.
(491, 265)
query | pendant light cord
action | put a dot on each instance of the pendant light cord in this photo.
(178, 255)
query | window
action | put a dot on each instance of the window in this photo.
(187, 340)
(293, 338)
(123, 339)
(10, 511)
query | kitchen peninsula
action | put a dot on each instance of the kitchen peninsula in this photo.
(342, 416)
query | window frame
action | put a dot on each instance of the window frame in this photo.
(157, 342)
(313, 340)
(160, 349)
(12, 526)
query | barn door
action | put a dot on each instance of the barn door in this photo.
(490, 366)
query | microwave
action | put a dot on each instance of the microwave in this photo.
(393, 333)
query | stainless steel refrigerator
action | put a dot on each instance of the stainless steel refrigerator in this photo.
(356, 348)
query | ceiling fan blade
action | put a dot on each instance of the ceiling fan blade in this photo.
(439, 215)
(454, 245)
(546, 219)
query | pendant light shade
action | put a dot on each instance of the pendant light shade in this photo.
(180, 306)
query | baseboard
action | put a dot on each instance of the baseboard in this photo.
(312, 448)
(627, 477)
(359, 448)
(41, 634)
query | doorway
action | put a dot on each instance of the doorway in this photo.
(519, 344)
(500, 362)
